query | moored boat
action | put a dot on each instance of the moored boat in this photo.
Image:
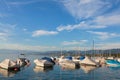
(88, 61)
(23, 61)
(78, 59)
(112, 62)
(44, 62)
(9, 65)
(67, 61)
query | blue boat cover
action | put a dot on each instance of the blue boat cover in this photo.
(69, 57)
(48, 59)
(112, 62)
(82, 57)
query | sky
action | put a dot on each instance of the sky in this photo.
(47, 25)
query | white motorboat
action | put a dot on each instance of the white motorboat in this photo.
(9, 65)
(43, 63)
(88, 61)
(67, 61)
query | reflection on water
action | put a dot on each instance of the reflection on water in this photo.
(7, 73)
(38, 69)
(58, 72)
(87, 69)
(67, 67)
(114, 67)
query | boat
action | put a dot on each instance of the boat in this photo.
(48, 59)
(88, 61)
(44, 62)
(118, 59)
(23, 61)
(67, 61)
(112, 62)
(100, 60)
(78, 59)
(9, 65)
(110, 57)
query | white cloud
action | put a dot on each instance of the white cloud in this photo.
(3, 36)
(7, 27)
(81, 25)
(86, 8)
(96, 14)
(74, 42)
(108, 20)
(6, 31)
(96, 23)
(27, 47)
(43, 32)
(104, 35)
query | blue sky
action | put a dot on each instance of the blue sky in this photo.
(45, 25)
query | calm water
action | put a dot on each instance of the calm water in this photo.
(58, 72)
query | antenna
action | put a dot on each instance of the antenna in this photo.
(93, 46)
(61, 51)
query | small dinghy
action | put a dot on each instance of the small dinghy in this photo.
(9, 65)
(44, 62)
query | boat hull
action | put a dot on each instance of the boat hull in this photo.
(43, 63)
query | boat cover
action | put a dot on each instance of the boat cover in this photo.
(48, 59)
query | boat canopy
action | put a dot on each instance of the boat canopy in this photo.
(88, 61)
(82, 57)
(69, 57)
(48, 59)
(112, 61)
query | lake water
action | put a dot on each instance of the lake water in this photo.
(58, 72)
